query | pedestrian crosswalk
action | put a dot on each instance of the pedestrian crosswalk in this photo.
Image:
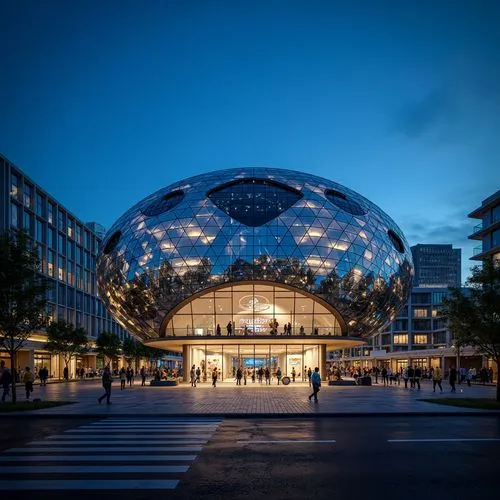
(111, 454)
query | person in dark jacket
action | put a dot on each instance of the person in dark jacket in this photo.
(453, 378)
(107, 380)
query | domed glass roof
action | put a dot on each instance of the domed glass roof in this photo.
(259, 225)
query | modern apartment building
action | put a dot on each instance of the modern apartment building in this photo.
(436, 265)
(67, 249)
(488, 231)
(418, 336)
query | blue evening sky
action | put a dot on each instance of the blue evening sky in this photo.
(104, 102)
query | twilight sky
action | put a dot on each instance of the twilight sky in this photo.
(104, 102)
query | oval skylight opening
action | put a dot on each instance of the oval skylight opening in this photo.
(344, 203)
(112, 242)
(163, 204)
(396, 241)
(254, 202)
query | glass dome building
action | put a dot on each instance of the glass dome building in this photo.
(252, 267)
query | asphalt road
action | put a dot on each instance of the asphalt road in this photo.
(404, 458)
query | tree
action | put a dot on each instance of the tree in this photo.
(67, 340)
(22, 295)
(108, 346)
(474, 315)
(131, 349)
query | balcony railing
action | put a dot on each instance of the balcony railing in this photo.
(478, 228)
(477, 250)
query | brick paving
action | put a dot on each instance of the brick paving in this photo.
(253, 399)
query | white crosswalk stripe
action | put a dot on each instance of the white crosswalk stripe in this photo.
(111, 454)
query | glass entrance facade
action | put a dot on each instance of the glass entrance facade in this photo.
(228, 358)
(253, 309)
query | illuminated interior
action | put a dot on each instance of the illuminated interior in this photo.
(253, 309)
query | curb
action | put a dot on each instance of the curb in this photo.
(477, 413)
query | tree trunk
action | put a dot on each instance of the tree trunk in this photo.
(14, 375)
(498, 379)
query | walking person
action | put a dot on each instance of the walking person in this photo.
(143, 377)
(198, 375)
(278, 375)
(384, 376)
(214, 377)
(267, 376)
(411, 376)
(405, 377)
(192, 375)
(229, 328)
(309, 375)
(217, 330)
(293, 374)
(436, 379)
(123, 378)
(28, 380)
(418, 376)
(453, 378)
(316, 384)
(107, 379)
(239, 374)
(5, 380)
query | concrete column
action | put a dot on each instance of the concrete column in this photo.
(322, 362)
(31, 359)
(186, 362)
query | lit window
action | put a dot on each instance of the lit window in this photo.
(400, 339)
(14, 215)
(14, 186)
(420, 339)
(50, 263)
(420, 313)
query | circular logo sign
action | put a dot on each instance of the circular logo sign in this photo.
(257, 303)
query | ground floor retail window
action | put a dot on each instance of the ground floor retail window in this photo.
(228, 358)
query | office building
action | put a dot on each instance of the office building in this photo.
(437, 266)
(67, 250)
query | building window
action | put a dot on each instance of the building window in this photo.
(50, 212)
(78, 276)
(39, 231)
(87, 240)
(62, 247)
(400, 339)
(420, 313)
(70, 227)
(70, 273)
(61, 221)
(61, 268)
(39, 204)
(70, 250)
(14, 215)
(28, 223)
(420, 339)
(28, 196)
(438, 297)
(50, 263)
(495, 238)
(15, 183)
(78, 232)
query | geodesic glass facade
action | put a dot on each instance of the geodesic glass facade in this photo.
(254, 225)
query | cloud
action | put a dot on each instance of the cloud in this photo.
(436, 109)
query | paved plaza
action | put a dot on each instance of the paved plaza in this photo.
(253, 399)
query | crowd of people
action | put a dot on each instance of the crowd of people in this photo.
(411, 376)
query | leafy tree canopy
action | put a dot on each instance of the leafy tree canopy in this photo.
(108, 345)
(66, 339)
(474, 314)
(22, 294)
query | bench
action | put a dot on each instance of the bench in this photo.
(164, 383)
